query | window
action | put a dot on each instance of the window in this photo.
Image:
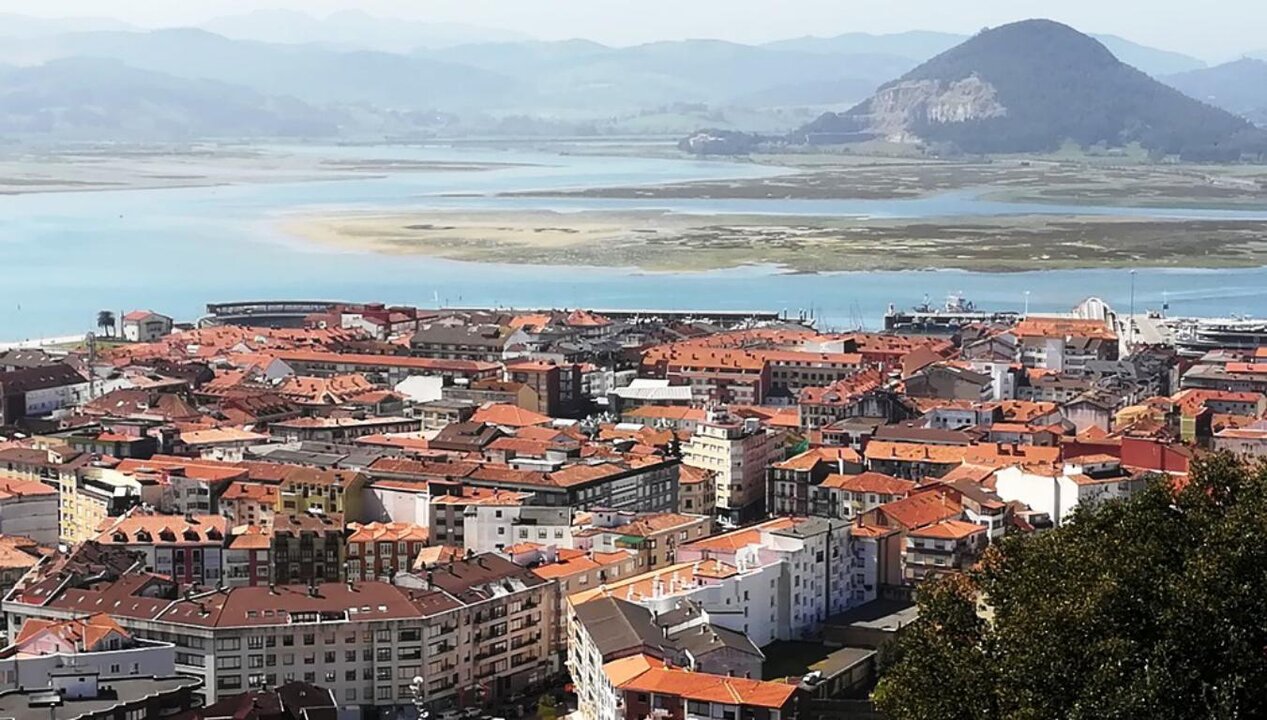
(288, 640)
(229, 643)
(349, 656)
(255, 642)
(255, 661)
(330, 657)
(383, 635)
(310, 639)
(349, 676)
(229, 682)
(349, 694)
(384, 693)
(228, 662)
(310, 677)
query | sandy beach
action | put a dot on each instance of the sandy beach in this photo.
(657, 241)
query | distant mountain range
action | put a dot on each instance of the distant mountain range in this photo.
(354, 73)
(1239, 87)
(353, 29)
(90, 99)
(1033, 86)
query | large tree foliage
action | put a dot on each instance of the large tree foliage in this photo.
(1153, 607)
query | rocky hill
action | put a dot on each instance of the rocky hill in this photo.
(1033, 86)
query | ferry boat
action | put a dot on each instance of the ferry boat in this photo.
(927, 319)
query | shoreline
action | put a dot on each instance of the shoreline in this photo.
(661, 241)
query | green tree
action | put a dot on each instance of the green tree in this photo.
(106, 322)
(1153, 607)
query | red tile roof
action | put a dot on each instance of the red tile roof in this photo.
(949, 530)
(79, 634)
(869, 482)
(703, 687)
(509, 416)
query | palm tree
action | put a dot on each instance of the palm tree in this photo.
(105, 321)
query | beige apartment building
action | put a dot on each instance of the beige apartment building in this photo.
(738, 451)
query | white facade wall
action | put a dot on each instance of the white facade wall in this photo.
(864, 570)
(595, 695)
(33, 516)
(47, 400)
(30, 672)
(1041, 493)
(382, 504)
(1002, 381)
(1056, 496)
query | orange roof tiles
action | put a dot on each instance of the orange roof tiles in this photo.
(625, 669)
(531, 320)
(1024, 411)
(920, 509)
(386, 532)
(1063, 327)
(142, 527)
(397, 361)
(19, 487)
(519, 446)
(703, 687)
(949, 530)
(509, 416)
(17, 552)
(78, 633)
(915, 452)
(738, 539)
(657, 412)
(682, 576)
(869, 482)
(843, 392)
(251, 537)
(217, 436)
(1247, 368)
(1002, 455)
(572, 562)
(584, 318)
(810, 459)
(1233, 433)
(205, 470)
(258, 492)
(691, 475)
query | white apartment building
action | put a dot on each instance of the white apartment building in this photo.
(816, 565)
(493, 528)
(1088, 480)
(742, 598)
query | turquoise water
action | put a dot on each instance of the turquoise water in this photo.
(66, 255)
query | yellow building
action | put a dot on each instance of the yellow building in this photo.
(89, 498)
(305, 490)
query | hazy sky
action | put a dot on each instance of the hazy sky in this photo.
(1213, 29)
